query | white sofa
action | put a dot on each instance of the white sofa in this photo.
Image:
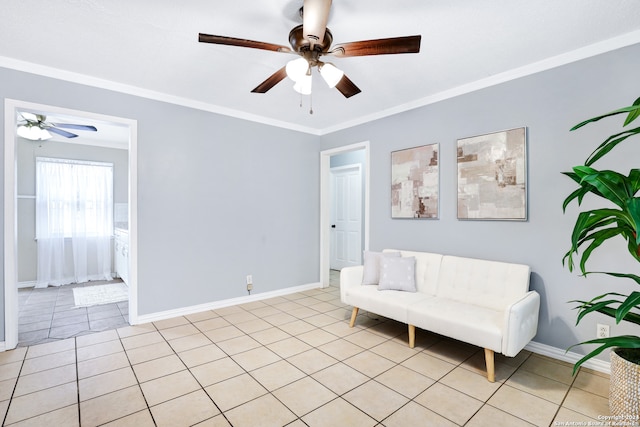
(483, 303)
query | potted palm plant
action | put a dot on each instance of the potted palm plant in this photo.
(592, 228)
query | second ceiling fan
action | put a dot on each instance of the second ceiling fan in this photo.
(311, 41)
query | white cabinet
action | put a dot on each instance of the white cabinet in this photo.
(121, 252)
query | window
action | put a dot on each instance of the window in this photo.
(73, 198)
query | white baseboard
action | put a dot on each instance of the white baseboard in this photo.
(568, 356)
(32, 283)
(29, 284)
(154, 317)
(3, 346)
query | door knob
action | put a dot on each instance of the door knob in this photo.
(333, 226)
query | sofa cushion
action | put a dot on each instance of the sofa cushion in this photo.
(389, 304)
(398, 274)
(371, 273)
(470, 323)
(427, 269)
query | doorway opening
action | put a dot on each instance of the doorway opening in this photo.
(117, 140)
(344, 172)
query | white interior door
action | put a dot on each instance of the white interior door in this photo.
(346, 217)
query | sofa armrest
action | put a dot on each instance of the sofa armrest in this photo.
(520, 323)
(350, 277)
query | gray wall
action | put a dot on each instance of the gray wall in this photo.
(27, 151)
(548, 104)
(218, 197)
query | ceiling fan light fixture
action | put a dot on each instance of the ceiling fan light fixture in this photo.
(303, 85)
(45, 134)
(297, 69)
(331, 74)
(33, 133)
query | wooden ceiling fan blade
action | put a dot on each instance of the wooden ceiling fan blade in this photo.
(271, 81)
(347, 87)
(315, 14)
(394, 45)
(233, 41)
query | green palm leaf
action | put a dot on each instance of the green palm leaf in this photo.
(590, 306)
(629, 304)
(610, 143)
(632, 110)
(626, 341)
(612, 185)
(633, 277)
(633, 114)
(633, 207)
(594, 227)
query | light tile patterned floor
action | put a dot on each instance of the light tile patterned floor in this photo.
(49, 314)
(287, 361)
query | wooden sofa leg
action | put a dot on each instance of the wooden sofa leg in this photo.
(491, 367)
(354, 313)
(412, 336)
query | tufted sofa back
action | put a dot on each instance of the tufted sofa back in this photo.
(485, 283)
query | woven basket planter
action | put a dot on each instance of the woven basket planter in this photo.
(624, 389)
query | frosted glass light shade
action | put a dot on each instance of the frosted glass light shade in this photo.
(303, 85)
(297, 69)
(24, 132)
(331, 74)
(44, 134)
(34, 133)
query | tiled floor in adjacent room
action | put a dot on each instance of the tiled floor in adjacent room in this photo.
(285, 361)
(49, 314)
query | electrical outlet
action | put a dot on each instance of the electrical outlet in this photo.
(249, 279)
(602, 331)
(249, 287)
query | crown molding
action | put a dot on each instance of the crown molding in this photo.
(589, 51)
(56, 73)
(625, 40)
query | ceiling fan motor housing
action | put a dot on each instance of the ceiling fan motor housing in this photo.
(300, 44)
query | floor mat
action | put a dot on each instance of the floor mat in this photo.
(87, 296)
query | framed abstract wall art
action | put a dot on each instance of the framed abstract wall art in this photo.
(415, 181)
(492, 176)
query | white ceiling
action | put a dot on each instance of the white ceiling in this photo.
(150, 48)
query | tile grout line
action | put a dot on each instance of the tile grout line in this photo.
(564, 398)
(486, 403)
(268, 392)
(370, 328)
(271, 392)
(190, 373)
(146, 402)
(15, 386)
(310, 376)
(75, 341)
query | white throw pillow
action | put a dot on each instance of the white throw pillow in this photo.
(398, 274)
(371, 273)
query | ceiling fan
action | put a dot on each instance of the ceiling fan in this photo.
(36, 128)
(311, 41)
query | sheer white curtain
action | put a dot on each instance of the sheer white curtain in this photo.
(74, 221)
